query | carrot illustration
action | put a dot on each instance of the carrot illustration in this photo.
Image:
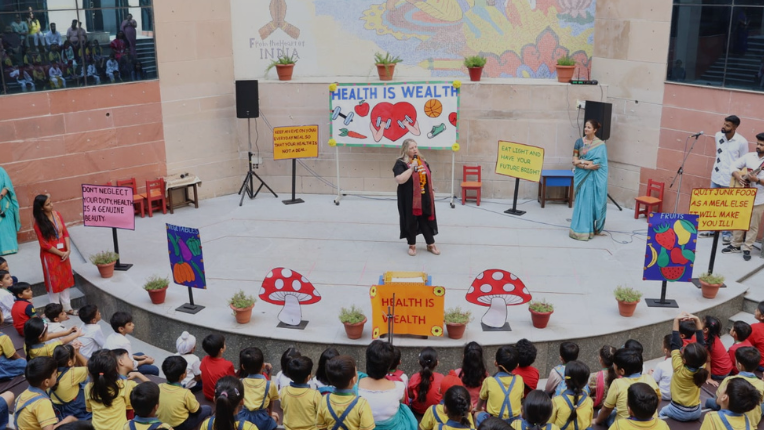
(345, 132)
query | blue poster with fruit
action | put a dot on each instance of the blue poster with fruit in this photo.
(670, 252)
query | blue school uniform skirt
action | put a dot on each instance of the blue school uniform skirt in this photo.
(10, 369)
(260, 418)
(74, 408)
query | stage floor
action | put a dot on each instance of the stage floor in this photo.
(344, 249)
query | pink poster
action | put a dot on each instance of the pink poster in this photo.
(107, 206)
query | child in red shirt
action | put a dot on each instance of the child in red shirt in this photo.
(740, 331)
(757, 333)
(214, 366)
(526, 357)
(398, 375)
(22, 308)
(721, 366)
(424, 386)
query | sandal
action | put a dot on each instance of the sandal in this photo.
(412, 250)
(433, 249)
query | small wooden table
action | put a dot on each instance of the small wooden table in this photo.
(175, 182)
(556, 178)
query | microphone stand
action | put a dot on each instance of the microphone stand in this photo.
(680, 172)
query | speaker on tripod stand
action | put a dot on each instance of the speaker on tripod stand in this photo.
(248, 106)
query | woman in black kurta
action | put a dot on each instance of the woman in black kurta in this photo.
(415, 208)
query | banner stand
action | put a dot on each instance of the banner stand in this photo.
(696, 281)
(514, 210)
(391, 322)
(189, 308)
(662, 302)
(118, 266)
(294, 179)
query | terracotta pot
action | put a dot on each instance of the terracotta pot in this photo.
(475, 73)
(285, 71)
(243, 315)
(565, 74)
(385, 71)
(157, 296)
(626, 309)
(354, 331)
(455, 330)
(106, 270)
(540, 319)
(709, 291)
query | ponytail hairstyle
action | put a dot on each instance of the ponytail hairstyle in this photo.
(576, 379)
(63, 354)
(695, 356)
(34, 329)
(607, 355)
(473, 366)
(102, 367)
(229, 392)
(458, 404)
(428, 359)
(537, 409)
(327, 355)
(46, 227)
(714, 328)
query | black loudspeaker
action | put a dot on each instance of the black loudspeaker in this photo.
(247, 101)
(602, 113)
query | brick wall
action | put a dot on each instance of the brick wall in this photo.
(52, 142)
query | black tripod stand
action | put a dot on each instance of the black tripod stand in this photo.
(248, 186)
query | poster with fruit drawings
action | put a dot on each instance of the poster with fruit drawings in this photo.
(186, 260)
(670, 252)
(386, 114)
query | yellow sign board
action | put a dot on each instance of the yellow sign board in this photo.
(520, 161)
(723, 208)
(295, 142)
(418, 309)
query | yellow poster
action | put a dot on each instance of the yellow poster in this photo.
(295, 142)
(520, 161)
(723, 208)
(418, 309)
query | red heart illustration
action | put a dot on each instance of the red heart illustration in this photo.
(452, 118)
(384, 113)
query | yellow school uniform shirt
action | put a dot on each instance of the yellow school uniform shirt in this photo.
(113, 417)
(683, 390)
(431, 420)
(359, 418)
(653, 424)
(69, 385)
(46, 350)
(247, 425)
(754, 415)
(518, 425)
(494, 395)
(6, 346)
(36, 415)
(175, 403)
(561, 411)
(254, 390)
(300, 406)
(618, 392)
(712, 422)
(146, 425)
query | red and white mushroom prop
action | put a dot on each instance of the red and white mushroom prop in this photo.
(497, 289)
(288, 288)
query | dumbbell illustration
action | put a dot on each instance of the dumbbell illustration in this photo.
(387, 124)
(337, 112)
(411, 125)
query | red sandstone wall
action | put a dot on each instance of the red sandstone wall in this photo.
(51, 142)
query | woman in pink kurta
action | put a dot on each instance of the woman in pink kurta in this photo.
(55, 248)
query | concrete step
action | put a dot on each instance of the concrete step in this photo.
(743, 316)
(77, 297)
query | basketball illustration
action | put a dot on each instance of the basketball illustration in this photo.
(433, 108)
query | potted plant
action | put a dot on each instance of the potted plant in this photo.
(709, 284)
(242, 305)
(628, 298)
(157, 288)
(105, 260)
(284, 67)
(565, 68)
(353, 319)
(475, 66)
(386, 65)
(540, 312)
(456, 322)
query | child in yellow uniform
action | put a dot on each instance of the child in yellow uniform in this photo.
(457, 405)
(107, 395)
(37, 340)
(502, 394)
(436, 414)
(735, 399)
(69, 394)
(573, 406)
(33, 409)
(343, 408)
(145, 401)
(298, 401)
(689, 373)
(642, 402)
(747, 360)
(229, 397)
(179, 408)
(537, 410)
(628, 365)
(259, 393)
(11, 363)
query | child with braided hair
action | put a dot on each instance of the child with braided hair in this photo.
(573, 409)
(229, 398)
(424, 387)
(720, 364)
(457, 406)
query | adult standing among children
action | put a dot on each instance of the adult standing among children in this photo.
(128, 27)
(753, 162)
(590, 182)
(10, 223)
(55, 248)
(416, 203)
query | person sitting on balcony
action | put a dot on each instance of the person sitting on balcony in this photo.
(112, 67)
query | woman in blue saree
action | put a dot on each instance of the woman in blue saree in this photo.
(590, 182)
(10, 223)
